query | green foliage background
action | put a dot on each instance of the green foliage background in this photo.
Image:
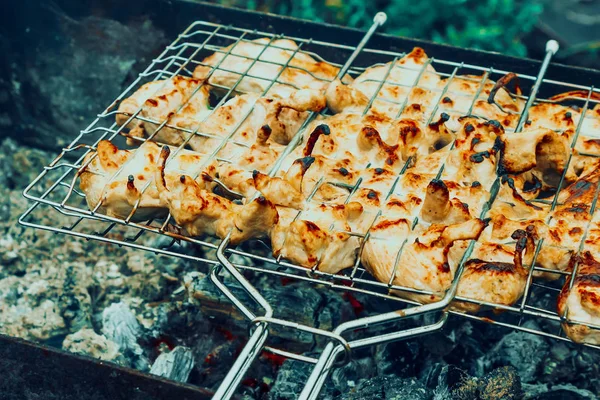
(497, 25)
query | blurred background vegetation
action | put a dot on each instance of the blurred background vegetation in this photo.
(497, 25)
(514, 27)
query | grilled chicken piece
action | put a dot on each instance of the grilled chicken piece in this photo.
(247, 114)
(581, 303)
(238, 119)
(160, 101)
(438, 208)
(411, 70)
(227, 66)
(543, 152)
(117, 179)
(567, 120)
(473, 158)
(500, 277)
(412, 89)
(426, 261)
(372, 139)
(592, 239)
(461, 99)
(562, 229)
(200, 212)
(238, 173)
(319, 236)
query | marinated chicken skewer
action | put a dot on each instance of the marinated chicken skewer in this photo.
(182, 102)
(497, 279)
(412, 89)
(237, 60)
(203, 129)
(580, 304)
(117, 180)
(200, 212)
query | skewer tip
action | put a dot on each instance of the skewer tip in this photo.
(552, 46)
(380, 18)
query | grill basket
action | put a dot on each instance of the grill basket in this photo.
(55, 191)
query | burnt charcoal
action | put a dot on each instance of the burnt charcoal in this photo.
(525, 352)
(176, 364)
(290, 381)
(387, 387)
(399, 358)
(501, 383)
(298, 302)
(347, 377)
(442, 343)
(558, 392)
(443, 379)
(214, 353)
(120, 326)
(335, 309)
(74, 299)
(564, 358)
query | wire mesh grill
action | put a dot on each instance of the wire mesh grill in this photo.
(54, 190)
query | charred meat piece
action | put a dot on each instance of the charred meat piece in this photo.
(496, 281)
(580, 304)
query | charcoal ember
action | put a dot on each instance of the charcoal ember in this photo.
(291, 379)
(348, 376)
(296, 301)
(456, 334)
(400, 358)
(109, 279)
(387, 387)
(146, 281)
(299, 302)
(525, 352)
(564, 358)
(215, 353)
(5, 207)
(89, 343)
(335, 309)
(120, 325)
(177, 319)
(443, 379)
(175, 364)
(28, 309)
(9, 255)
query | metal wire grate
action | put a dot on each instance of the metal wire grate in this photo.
(55, 190)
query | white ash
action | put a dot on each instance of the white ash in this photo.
(120, 325)
(176, 364)
(87, 342)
